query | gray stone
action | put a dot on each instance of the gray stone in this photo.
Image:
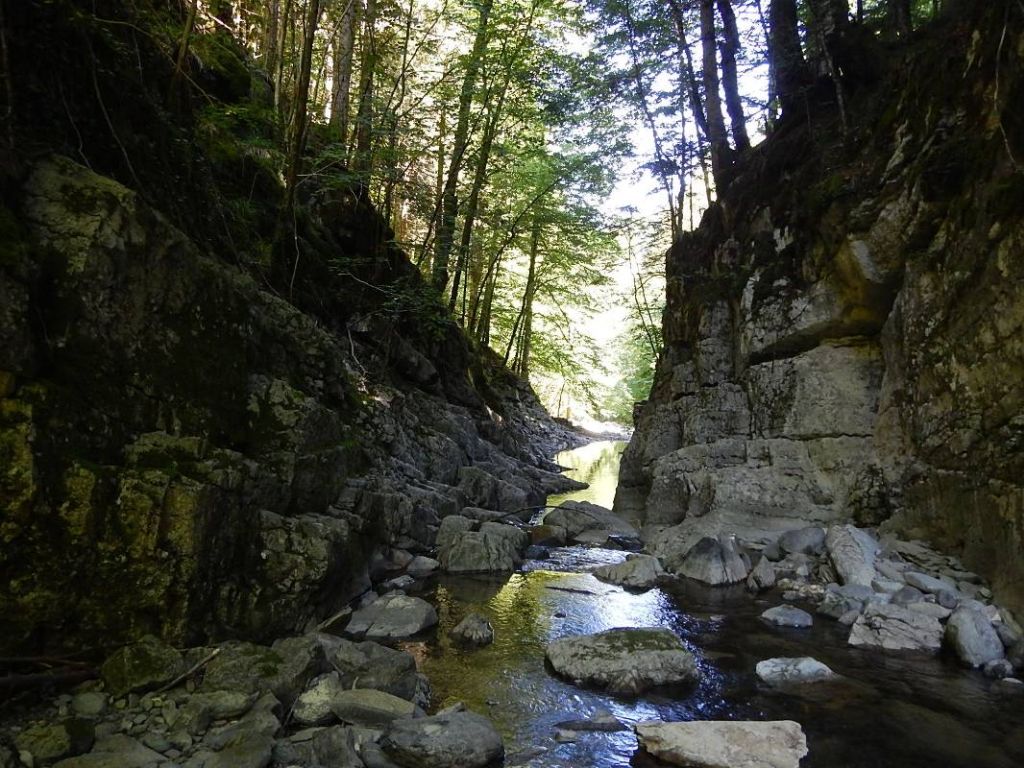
(626, 661)
(369, 707)
(548, 535)
(834, 605)
(793, 671)
(972, 636)
(713, 561)
(392, 617)
(478, 552)
(451, 527)
(804, 541)
(89, 704)
(849, 618)
(455, 740)
(578, 517)
(242, 667)
(636, 572)
(141, 666)
(332, 747)
(930, 584)
(247, 743)
(788, 616)
(931, 609)
(725, 744)
(1008, 634)
(895, 628)
(313, 706)
(853, 552)
(474, 630)
(762, 576)
(517, 537)
(52, 741)
(536, 552)
(371, 665)
(907, 596)
(421, 566)
(997, 669)
(116, 751)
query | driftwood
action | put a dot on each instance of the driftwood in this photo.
(191, 670)
(20, 682)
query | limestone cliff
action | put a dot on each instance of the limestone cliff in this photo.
(844, 333)
(191, 446)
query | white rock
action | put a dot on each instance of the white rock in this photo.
(725, 744)
(803, 669)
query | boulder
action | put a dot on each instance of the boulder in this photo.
(370, 708)
(141, 666)
(803, 541)
(803, 669)
(115, 751)
(371, 665)
(517, 537)
(725, 744)
(452, 740)
(314, 747)
(474, 630)
(636, 572)
(788, 616)
(853, 552)
(907, 596)
(451, 527)
(895, 628)
(421, 566)
(478, 552)
(973, 637)
(930, 584)
(392, 617)
(581, 517)
(834, 605)
(762, 576)
(548, 535)
(626, 661)
(244, 667)
(713, 561)
(52, 741)
(313, 706)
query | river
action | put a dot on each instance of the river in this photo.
(887, 710)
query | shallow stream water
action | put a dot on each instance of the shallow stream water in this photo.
(888, 710)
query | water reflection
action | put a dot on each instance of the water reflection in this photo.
(596, 464)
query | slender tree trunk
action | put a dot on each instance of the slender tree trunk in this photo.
(712, 101)
(179, 64)
(449, 196)
(483, 327)
(531, 291)
(730, 48)
(341, 89)
(786, 58)
(679, 20)
(362, 162)
(268, 59)
(297, 127)
(899, 16)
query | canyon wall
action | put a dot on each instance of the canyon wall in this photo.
(844, 333)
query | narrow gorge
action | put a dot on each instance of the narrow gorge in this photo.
(299, 299)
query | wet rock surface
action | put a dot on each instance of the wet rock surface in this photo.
(733, 744)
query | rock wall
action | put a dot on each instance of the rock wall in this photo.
(844, 334)
(187, 454)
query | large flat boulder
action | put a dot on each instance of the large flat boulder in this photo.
(454, 740)
(479, 552)
(625, 661)
(973, 637)
(589, 523)
(392, 617)
(890, 627)
(853, 552)
(725, 744)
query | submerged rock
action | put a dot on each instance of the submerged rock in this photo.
(894, 628)
(475, 629)
(725, 744)
(392, 617)
(636, 572)
(791, 671)
(626, 661)
(453, 740)
(714, 561)
(788, 616)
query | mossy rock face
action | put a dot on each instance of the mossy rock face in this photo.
(49, 742)
(244, 667)
(142, 666)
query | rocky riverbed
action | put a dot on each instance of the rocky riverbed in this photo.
(553, 644)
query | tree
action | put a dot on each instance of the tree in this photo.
(786, 57)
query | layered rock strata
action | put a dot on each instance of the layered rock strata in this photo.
(844, 334)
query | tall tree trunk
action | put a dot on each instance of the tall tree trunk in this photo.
(449, 197)
(297, 127)
(362, 161)
(899, 16)
(683, 47)
(526, 336)
(712, 102)
(483, 327)
(285, 23)
(785, 56)
(730, 80)
(344, 46)
(179, 64)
